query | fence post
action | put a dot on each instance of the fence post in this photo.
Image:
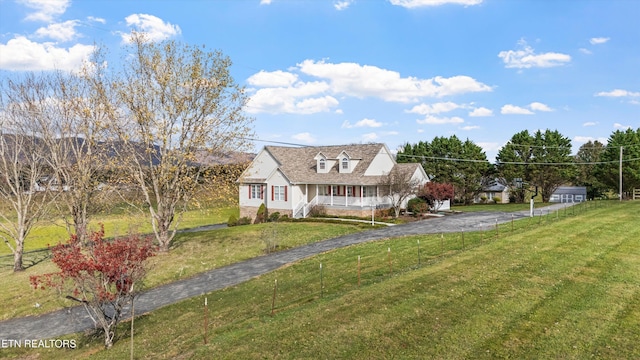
(321, 282)
(358, 270)
(206, 320)
(273, 301)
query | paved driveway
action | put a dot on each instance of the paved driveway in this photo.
(75, 319)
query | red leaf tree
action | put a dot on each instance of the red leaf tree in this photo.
(436, 193)
(102, 276)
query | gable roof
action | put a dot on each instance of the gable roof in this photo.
(299, 164)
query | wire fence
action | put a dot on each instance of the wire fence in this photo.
(336, 273)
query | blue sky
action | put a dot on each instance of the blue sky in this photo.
(327, 72)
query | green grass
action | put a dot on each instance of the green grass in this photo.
(120, 223)
(561, 286)
(191, 253)
(497, 207)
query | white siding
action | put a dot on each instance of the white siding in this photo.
(261, 167)
(382, 164)
(277, 179)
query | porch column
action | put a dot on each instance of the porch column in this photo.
(331, 193)
(361, 198)
(346, 196)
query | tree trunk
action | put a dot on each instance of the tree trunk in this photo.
(17, 257)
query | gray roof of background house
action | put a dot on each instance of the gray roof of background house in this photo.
(494, 187)
(299, 164)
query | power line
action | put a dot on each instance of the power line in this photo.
(514, 162)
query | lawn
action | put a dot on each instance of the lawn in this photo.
(191, 253)
(497, 207)
(120, 223)
(562, 286)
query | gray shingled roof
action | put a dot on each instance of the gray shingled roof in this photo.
(299, 165)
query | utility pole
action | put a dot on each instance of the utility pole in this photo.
(621, 147)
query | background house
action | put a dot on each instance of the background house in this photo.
(569, 194)
(493, 192)
(345, 179)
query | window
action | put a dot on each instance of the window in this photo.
(255, 191)
(335, 190)
(279, 193)
(322, 164)
(369, 191)
(350, 191)
(345, 164)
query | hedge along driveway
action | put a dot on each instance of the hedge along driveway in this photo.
(75, 319)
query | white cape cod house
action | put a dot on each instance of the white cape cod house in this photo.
(344, 179)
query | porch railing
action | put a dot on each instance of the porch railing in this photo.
(365, 201)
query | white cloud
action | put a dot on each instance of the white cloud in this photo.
(97, 19)
(45, 10)
(618, 93)
(590, 123)
(470, 127)
(281, 91)
(621, 127)
(410, 4)
(276, 78)
(362, 123)
(265, 2)
(481, 112)
(525, 57)
(585, 139)
(154, 28)
(598, 40)
(304, 137)
(515, 110)
(437, 108)
(64, 31)
(369, 137)
(364, 80)
(536, 106)
(315, 105)
(432, 120)
(299, 98)
(585, 51)
(21, 54)
(342, 4)
(489, 146)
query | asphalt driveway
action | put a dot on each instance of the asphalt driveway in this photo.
(75, 319)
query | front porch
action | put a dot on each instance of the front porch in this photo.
(343, 205)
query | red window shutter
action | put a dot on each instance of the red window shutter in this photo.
(285, 193)
(262, 192)
(249, 186)
(353, 190)
(271, 192)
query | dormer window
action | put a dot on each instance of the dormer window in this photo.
(322, 164)
(345, 163)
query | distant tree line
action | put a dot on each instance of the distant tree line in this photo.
(543, 159)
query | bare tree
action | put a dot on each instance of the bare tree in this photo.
(400, 185)
(71, 119)
(24, 185)
(178, 101)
